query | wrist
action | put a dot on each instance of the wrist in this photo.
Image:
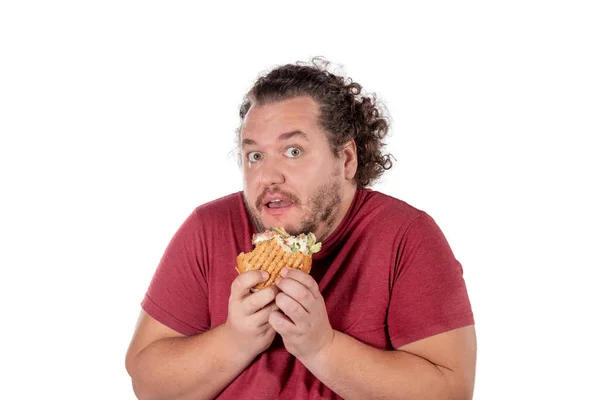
(323, 354)
(240, 349)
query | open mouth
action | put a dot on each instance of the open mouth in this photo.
(278, 203)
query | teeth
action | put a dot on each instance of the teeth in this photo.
(273, 201)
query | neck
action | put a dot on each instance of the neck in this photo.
(347, 197)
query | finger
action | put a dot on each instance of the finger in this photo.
(292, 309)
(240, 287)
(296, 291)
(257, 300)
(282, 324)
(303, 278)
(261, 317)
(266, 329)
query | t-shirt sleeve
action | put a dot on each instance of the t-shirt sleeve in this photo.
(177, 296)
(428, 294)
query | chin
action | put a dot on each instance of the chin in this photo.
(286, 223)
(270, 222)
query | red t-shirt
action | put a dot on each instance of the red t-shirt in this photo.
(387, 274)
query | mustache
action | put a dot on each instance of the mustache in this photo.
(286, 195)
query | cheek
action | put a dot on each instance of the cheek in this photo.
(250, 174)
(314, 174)
(303, 186)
(297, 176)
(250, 185)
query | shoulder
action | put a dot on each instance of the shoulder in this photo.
(379, 219)
(401, 218)
(209, 216)
(387, 209)
(220, 207)
(223, 220)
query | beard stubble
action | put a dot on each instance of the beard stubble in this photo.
(321, 209)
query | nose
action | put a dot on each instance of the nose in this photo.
(272, 173)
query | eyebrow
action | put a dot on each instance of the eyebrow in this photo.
(283, 136)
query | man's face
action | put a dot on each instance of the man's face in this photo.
(291, 176)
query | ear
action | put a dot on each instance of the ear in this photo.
(350, 159)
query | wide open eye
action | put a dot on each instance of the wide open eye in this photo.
(293, 152)
(254, 156)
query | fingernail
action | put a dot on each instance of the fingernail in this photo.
(265, 275)
(284, 272)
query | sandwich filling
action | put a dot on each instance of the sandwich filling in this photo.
(305, 244)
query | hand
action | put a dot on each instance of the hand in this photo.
(302, 322)
(248, 314)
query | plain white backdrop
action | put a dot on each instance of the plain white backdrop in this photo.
(117, 118)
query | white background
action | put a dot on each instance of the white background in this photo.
(117, 118)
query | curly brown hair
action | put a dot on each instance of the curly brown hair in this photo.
(345, 113)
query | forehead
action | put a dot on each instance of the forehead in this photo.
(272, 119)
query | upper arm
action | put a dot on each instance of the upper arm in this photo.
(147, 331)
(178, 292)
(454, 353)
(428, 294)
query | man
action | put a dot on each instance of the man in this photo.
(384, 312)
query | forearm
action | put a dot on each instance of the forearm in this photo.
(195, 367)
(355, 370)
